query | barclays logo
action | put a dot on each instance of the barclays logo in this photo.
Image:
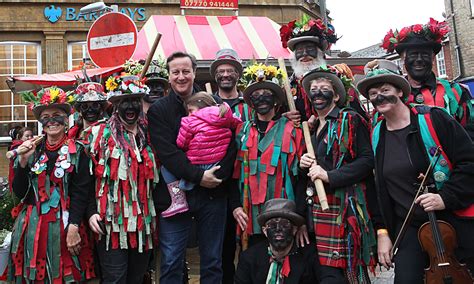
(52, 13)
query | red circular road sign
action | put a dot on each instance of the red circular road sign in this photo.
(112, 40)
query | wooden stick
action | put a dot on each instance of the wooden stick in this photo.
(209, 88)
(317, 183)
(150, 55)
(22, 149)
(286, 84)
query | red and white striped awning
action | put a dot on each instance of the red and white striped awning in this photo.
(203, 36)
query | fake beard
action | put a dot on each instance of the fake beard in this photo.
(129, 111)
(381, 99)
(229, 84)
(91, 115)
(299, 69)
(263, 104)
(280, 238)
(326, 96)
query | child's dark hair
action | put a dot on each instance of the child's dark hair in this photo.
(203, 99)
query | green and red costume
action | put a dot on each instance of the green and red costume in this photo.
(266, 167)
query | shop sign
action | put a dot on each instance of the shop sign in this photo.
(210, 4)
(53, 13)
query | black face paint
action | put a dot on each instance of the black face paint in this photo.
(280, 233)
(227, 81)
(61, 120)
(418, 63)
(382, 99)
(263, 104)
(325, 96)
(91, 111)
(306, 49)
(156, 91)
(129, 110)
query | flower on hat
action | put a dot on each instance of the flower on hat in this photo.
(307, 27)
(340, 71)
(432, 31)
(132, 67)
(157, 68)
(258, 72)
(47, 97)
(117, 85)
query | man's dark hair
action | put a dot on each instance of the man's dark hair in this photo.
(380, 84)
(180, 54)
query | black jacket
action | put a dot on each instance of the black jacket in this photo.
(457, 192)
(164, 121)
(254, 265)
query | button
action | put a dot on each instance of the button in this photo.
(59, 172)
(309, 191)
(309, 201)
(433, 150)
(439, 176)
(65, 165)
(419, 99)
(335, 255)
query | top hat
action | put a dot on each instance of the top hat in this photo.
(226, 56)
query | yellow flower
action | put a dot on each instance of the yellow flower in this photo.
(271, 71)
(110, 84)
(54, 94)
(70, 99)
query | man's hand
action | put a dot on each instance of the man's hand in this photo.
(94, 224)
(240, 217)
(73, 239)
(384, 247)
(430, 202)
(209, 179)
(302, 237)
(306, 161)
(316, 172)
(294, 116)
(312, 122)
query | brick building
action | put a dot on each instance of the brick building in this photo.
(460, 16)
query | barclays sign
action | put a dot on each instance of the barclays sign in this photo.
(53, 13)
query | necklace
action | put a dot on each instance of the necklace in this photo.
(260, 131)
(55, 147)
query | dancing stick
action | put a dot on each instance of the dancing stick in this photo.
(22, 149)
(150, 55)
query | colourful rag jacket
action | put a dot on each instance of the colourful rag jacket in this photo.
(38, 250)
(302, 102)
(345, 237)
(205, 136)
(125, 179)
(267, 168)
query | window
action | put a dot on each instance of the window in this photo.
(76, 54)
(472, 8)
(16, 59)
(441, 64)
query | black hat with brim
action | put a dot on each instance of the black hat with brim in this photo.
(336, 81)
(418, 42)
(115, 98)
(294, 41)
(280, 208)
(275, 88)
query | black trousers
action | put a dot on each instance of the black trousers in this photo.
(228, 250)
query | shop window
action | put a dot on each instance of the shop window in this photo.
(441, 64)
(76, 55)
(16, 59)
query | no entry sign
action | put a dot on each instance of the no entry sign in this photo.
(112, 40)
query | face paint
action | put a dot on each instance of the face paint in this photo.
(305, 50)
(156, 91)
(226, 78)
(129, 110)
(91, 111)
(61, 120)
(418, 63)
(326, 98)
(279, 233)
(382, 99)
(263, 102)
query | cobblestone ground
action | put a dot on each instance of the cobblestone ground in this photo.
(383, 276)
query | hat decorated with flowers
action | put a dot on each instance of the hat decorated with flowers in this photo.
(340, 81)
(428, 35)
(260, 76)
(52, 97)
(90, 92)
(132, 67)
(307, 29)
(126, 86)
(157, 72)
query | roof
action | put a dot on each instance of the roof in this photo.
(373, 51)
(203, 36)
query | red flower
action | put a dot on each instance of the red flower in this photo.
(433, 25)
(386, 43)
(45, 99)
(320, 25)
(403, 34)
(417, 28)
(285, 33)
(61, 98)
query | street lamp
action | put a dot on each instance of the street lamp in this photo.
(97, 7)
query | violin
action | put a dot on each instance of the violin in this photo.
(438, 239)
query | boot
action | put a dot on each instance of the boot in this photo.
(178, 200)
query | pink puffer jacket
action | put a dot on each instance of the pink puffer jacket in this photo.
(205, 136)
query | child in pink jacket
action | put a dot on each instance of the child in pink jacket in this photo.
(204, 136)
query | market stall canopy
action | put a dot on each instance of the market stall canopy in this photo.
(203, 36)
(25, 83)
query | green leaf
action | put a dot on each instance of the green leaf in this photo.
(393, 40)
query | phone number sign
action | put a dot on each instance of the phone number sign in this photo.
(209, 4)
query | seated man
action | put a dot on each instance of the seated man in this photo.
(278, 260)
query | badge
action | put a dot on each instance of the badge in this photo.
(335, 255)
(64, 150)
(42, 158)
(309, 201)
(309, 191)
(65, 164)
(35, 167)
(433, 150)
(439, 176)
(443, 162)
(61, 158)
(419, 99)
(59, 172)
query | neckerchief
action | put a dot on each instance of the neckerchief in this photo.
(279, 270)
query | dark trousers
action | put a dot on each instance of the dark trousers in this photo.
(331, 275)
(228, 251)
(120, 266)
(210, 215)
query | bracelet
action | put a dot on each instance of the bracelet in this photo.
(382, 232)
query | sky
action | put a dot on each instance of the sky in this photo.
(363, 23)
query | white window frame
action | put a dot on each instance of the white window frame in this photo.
(69, 52)
(472, 8)
(38, 72)
(441, 64)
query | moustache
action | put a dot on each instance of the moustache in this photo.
(381, 99)
(325, 95)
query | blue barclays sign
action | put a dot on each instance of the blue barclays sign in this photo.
(53, 13)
